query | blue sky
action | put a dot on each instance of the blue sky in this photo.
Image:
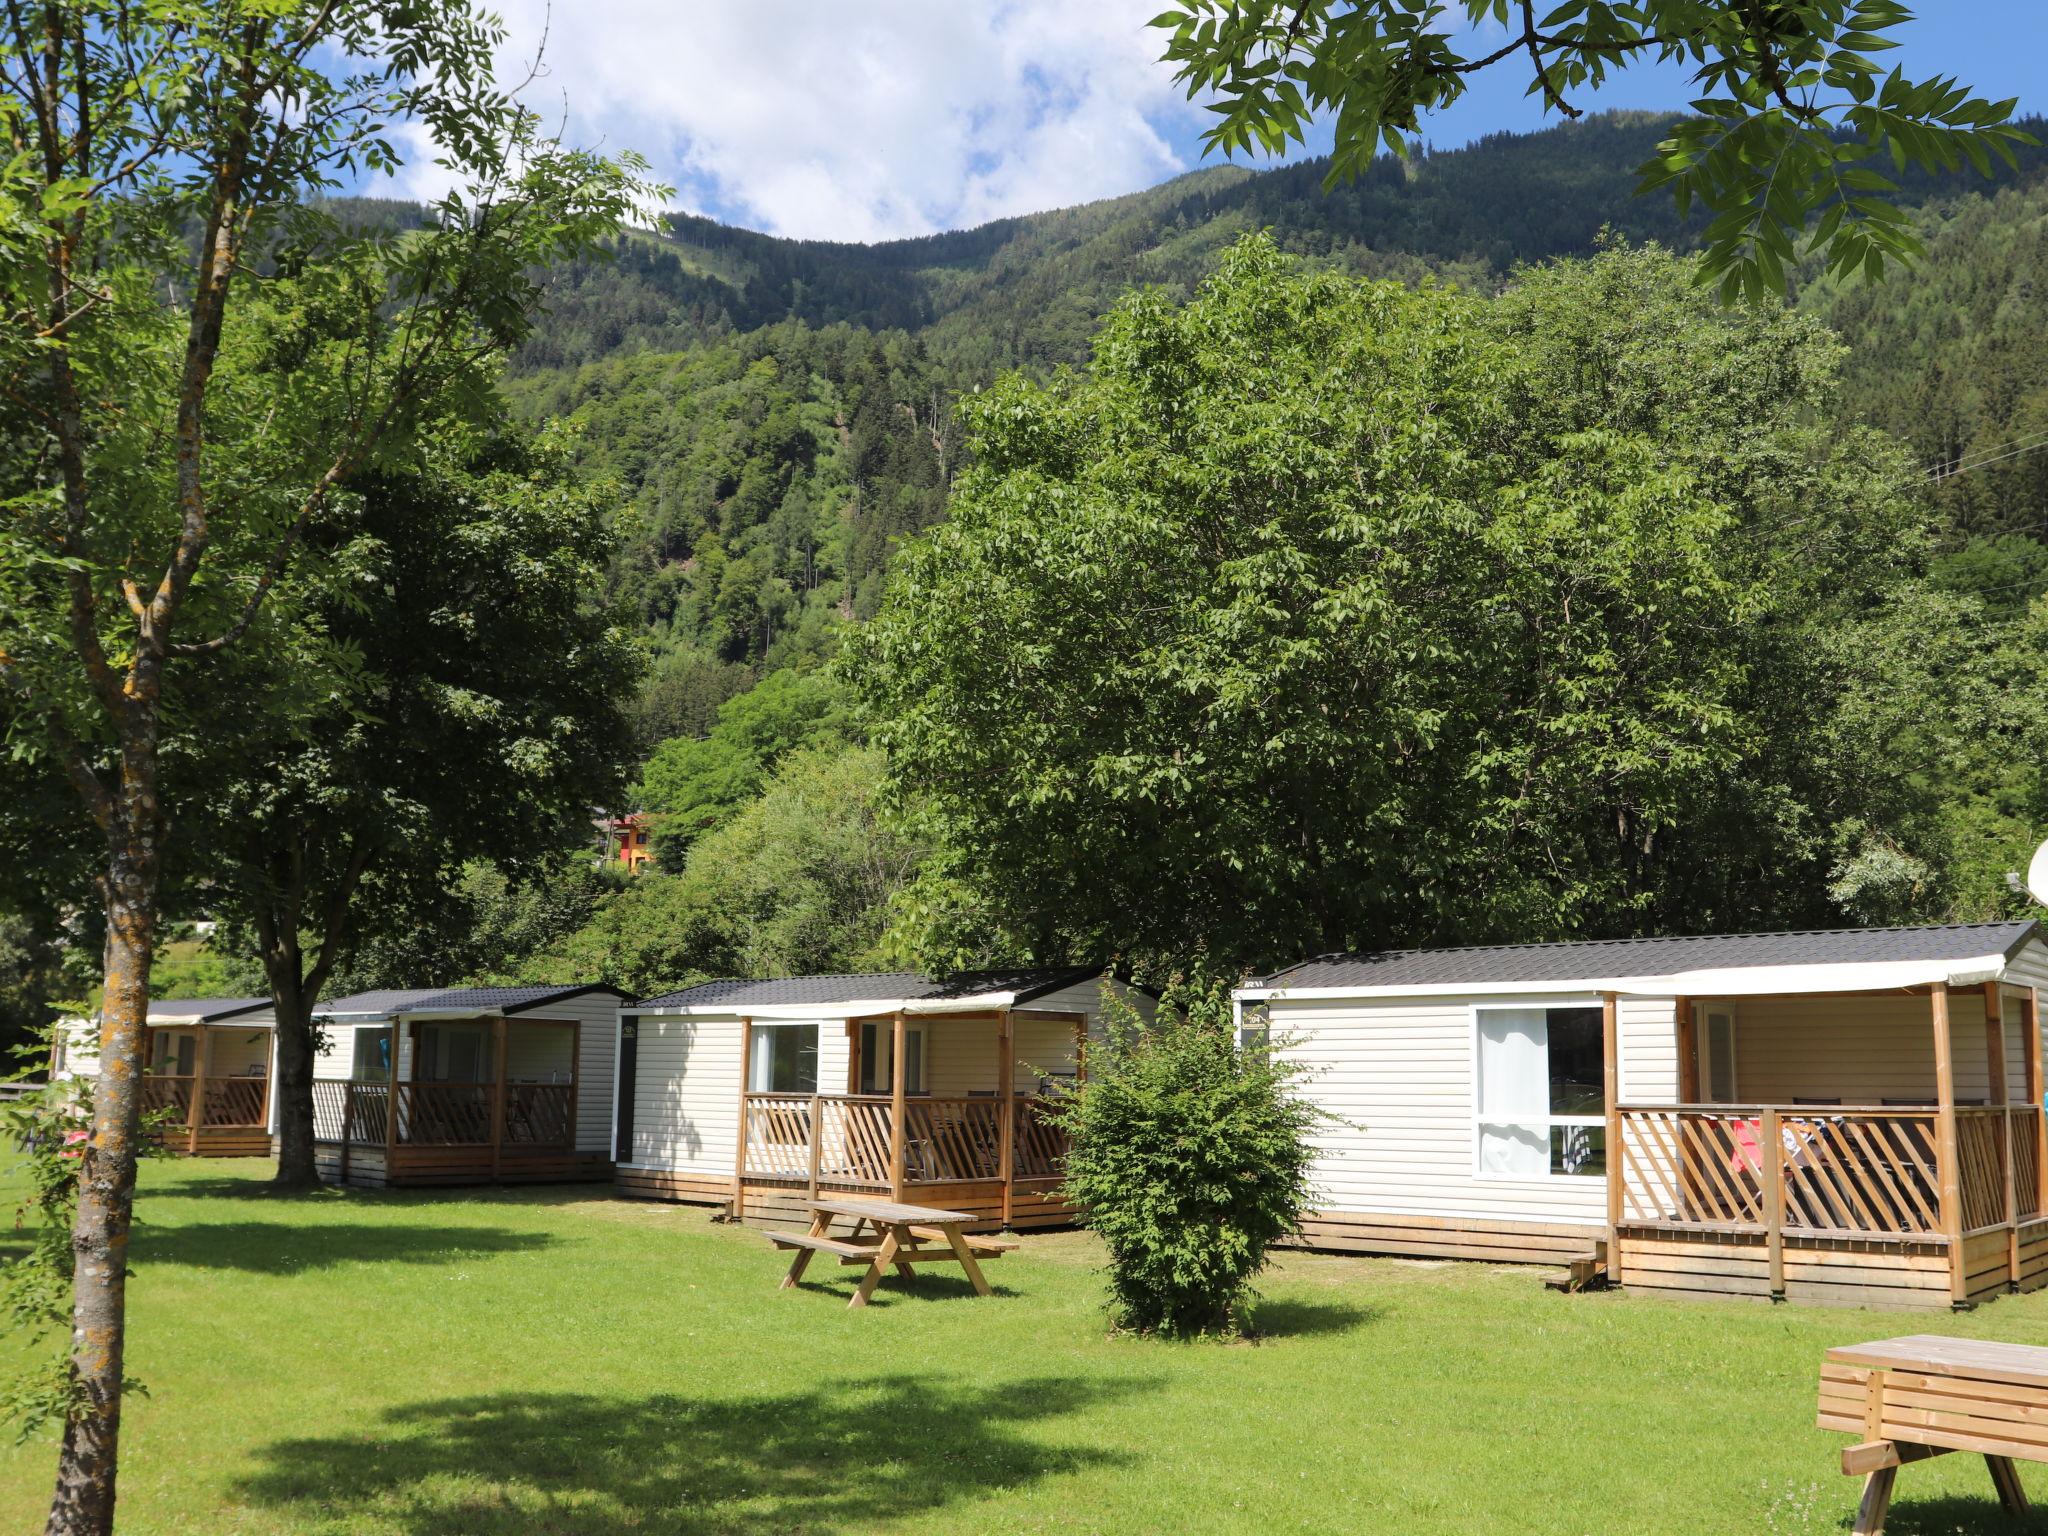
(1998, 46)
(900, 117)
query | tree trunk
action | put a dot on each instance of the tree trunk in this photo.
(297, 1167)
(83, 1504)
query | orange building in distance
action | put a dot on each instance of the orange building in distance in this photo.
(628, 840)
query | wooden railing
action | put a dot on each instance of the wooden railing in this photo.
(539, 1114)
(1854, 1172)
(165, 1090)
(236, 1101)
(845, 1140)
(1041, 1145)
(443, 1114)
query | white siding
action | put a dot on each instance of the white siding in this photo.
(1861, 1050)
(1647, 1029)
(686, 1093)
(233, 1051)
(80, 1053)
(598, 1015)
(687, 1075)
(1398, 1076)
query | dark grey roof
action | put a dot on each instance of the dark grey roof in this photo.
(392, 1001)
(1595, 958)
(204, 1009)
(381, 1003)
(892, 986)
(503, 999)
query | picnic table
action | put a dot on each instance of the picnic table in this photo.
(1925, 1395)
(887, 1233)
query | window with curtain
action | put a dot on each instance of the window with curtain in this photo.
(785, 1059)
(1542, 1092)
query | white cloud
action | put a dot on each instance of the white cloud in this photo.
(861, 121)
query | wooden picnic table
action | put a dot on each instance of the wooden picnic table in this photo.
(888, 1233)
(1925, 1395)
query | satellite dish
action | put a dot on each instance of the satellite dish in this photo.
(2037, 875)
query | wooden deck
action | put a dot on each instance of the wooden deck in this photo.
(217, 1117)
(801, 1146)
(449, 1134)
(1868, 1205)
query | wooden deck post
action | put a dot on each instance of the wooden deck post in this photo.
(2030, 1021)
(815, 1132)
(1773, 1171)
(391, 1109)
(1006, 1111)
(739, 1151)
(1998, 1073)
(1610, 1073)
(576, 1075)
(1688, 1051)
(896, 1106)
(195, 1113)
(497, 1096)
(1946, 1156)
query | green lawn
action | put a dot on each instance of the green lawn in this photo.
(554, 1361)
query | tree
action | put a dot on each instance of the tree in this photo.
(485, 718)
(1192, 1158)
(1323, 615)
(159, 215)
(693, 785)
(1794, 105)
(804, 877)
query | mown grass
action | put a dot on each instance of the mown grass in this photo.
(552, 1361)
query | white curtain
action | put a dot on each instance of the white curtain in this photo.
(1514, 1085)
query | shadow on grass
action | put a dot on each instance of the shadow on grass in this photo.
(274, 1248)
(1950, 1516)
(846, 1455)
(1308, 1319)
(925, 1284)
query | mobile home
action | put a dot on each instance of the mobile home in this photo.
(470, 1085)
(756, 1095)
(1849, 1117)
(207, 1072)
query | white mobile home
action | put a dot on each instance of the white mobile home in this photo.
(206, 1062)
(1847, 1116)
(757, 1094)
(489, 1084)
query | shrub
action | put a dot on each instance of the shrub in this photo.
(1190, 1154)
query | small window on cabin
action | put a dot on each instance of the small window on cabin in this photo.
(372, 1060)
(1255, 1039)
(1717, 1055)
(877, 1065)
(1542, 1093)
(785, 1059)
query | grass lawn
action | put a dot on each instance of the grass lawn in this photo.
(555, 1361)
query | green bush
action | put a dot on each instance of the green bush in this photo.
(1191, 1157)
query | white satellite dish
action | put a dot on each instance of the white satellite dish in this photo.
(2037, 875)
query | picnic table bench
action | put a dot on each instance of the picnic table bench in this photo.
(1925, 1395)
(888, 1234)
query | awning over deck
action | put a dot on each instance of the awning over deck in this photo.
(1714, 965)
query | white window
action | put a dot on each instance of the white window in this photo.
(372, 1060)
(1717, 1054)
(785, 1059)
(877, 1057)
(1542, 1092)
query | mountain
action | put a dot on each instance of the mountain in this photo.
(778, 413)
